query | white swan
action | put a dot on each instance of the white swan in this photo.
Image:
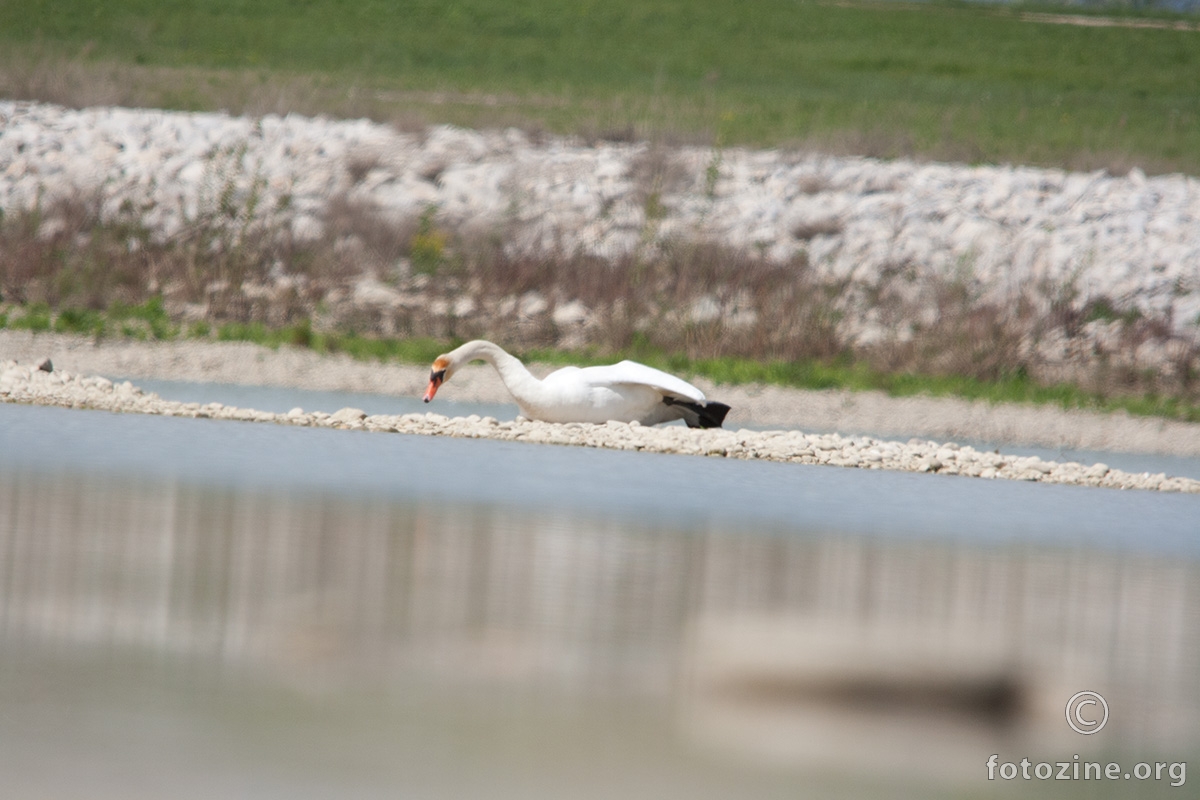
(624, 392)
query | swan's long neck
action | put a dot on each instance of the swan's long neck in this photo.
(520, 382)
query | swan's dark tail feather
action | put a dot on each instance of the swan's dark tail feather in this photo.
(696, 415)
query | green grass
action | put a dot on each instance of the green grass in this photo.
(806, 374)
(968, 82)
(147, 320)
(364, 348)
(859, 376)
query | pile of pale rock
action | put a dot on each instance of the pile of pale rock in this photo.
(1133, 240)
(39, 384)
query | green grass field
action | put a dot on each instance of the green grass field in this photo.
(945, 81)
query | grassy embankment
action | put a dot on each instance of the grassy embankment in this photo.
(940, 81)
(149, 321)
(945, 81)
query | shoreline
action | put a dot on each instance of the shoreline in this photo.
(38, 383)
(848, 413)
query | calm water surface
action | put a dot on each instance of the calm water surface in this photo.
(281, 401)
(195, 608)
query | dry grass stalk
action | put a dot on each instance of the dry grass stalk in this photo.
(697, 299)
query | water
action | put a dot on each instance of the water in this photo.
(280, 401)
(199, 608)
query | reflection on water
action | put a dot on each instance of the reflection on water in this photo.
(224, 641)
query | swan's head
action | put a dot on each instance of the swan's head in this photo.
(443, 367)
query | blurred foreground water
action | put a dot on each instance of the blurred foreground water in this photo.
(197, 609)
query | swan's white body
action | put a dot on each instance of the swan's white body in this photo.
(625, 392)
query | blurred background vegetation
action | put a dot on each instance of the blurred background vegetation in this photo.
(966, 82)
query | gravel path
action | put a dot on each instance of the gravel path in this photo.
(23, 382)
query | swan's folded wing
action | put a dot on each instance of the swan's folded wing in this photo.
(631, 372)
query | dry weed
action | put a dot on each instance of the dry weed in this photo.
(697, 299)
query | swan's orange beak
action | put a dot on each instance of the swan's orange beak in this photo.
(436, 379)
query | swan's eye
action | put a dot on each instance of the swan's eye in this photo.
(437, 377)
